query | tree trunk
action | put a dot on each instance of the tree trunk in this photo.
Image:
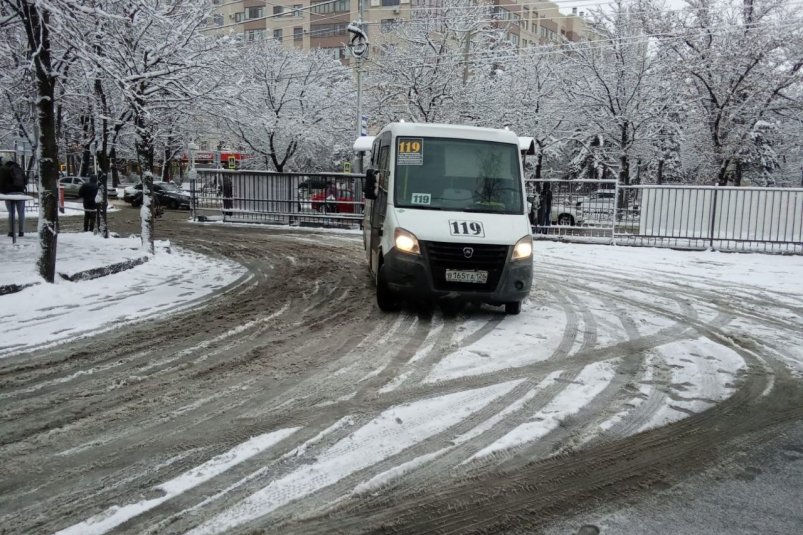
(538, 162)
(737, 178)
(722, 177)
(38, 32)
(145, 153)
(146, 212)
(660, 178)
(624, 168)
(113, 164)
(86, 157)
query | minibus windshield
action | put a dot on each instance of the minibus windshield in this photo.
(458, 175)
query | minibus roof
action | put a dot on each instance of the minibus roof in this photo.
(451, 130)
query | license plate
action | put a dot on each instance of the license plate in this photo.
(476, 277)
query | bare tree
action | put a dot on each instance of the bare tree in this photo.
(739, 67)
(286, 104)
(36, 20)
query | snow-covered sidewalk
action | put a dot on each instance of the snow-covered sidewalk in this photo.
(35, 313)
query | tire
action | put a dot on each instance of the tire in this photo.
(173, 204)
(385, 298)
(513, 308)
(565, 220)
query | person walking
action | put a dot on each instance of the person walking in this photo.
(12, 182)
(88, 192)
(545, 208)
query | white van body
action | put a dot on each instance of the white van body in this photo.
(446, 216)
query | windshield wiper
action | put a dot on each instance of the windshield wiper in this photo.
(481, 211)
(421, 207)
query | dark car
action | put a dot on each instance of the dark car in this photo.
(166, 194)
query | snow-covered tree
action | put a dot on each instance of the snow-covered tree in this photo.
(739, 63)
(285, 105)
(36, 24)
(422, 69)
(614, 89)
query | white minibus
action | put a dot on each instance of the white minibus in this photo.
(445, 216)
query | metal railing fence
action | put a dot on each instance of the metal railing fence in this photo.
(303, 199)
(599, 211)
(678, 216)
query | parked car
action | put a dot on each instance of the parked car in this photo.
(166, 194)
(344, 203)
(598, 205)
(71, 185)
(132, 191)
(565, 210)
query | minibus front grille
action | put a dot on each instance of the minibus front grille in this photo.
(444, 255)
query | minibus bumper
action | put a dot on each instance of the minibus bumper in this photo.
(411, 277)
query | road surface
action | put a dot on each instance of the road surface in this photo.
(271, 407)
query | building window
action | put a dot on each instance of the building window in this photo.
(340, 6)
(277, 34)
(298, 33)
(327, 30)
(336, 53)
(390, 3)
(513, 39)
(298, 10)
(387, 25)
(278, 10)
(254, 35)
(217, 19)
(254, 13)
(238, 17)
(503, 14)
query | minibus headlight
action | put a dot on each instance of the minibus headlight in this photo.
(523, 248)
(406, 241)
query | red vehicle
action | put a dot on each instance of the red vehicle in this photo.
(342, 203)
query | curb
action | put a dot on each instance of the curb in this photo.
(14, 288)
(95, 273)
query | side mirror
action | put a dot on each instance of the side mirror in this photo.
(369, 189)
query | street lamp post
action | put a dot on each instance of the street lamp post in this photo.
(359, 46)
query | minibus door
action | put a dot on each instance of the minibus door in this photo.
(380, 204)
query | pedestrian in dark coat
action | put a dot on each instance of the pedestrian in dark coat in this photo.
(545, 208)
(12, 182)
(88, 192)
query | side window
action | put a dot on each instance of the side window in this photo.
(375, 154)
(384, 152)
(381, 202)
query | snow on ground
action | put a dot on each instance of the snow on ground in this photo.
(394, 430)
(588, 384)
(516, 341)
(703, 373)
(114, 516)
(49, 313)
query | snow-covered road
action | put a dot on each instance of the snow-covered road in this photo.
(291, 404)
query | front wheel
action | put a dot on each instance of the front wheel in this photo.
(385, 298)
(173, 204)
(513, 308)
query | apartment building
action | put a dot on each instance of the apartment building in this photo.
(309, 24)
